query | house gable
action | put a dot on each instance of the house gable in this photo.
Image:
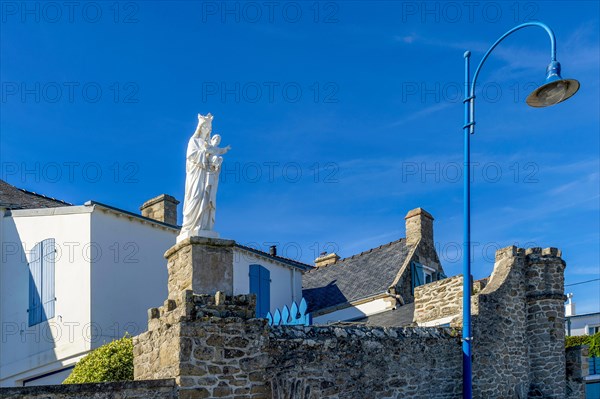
(358, 277)
(385, 274)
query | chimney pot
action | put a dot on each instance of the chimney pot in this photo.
(162, 208)
(273, 250)
(326, 259)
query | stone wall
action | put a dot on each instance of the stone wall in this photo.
(423, 252)
(211, 345)
(518, 319)
(544, 276)
(437, 300)
(442, 299)
(156, 389)
(214, 347)
(577, 370)
(500, 348)
(364, 362)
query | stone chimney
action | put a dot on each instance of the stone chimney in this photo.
(419, 226)
(162, 208)
(326, 259)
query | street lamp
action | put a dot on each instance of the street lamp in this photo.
(554, 90)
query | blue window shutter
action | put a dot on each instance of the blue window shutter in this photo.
(48, 294)
(35, 285)
(255, 285)
(265, 291)
(419, 274)
(417, 277)
(260, 284)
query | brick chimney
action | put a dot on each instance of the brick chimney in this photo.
(419, 226)
(326, 259)
(162, 208)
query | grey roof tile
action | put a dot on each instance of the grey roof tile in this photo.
(360, 276)
(16, 198)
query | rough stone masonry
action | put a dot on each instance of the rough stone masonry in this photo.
(212, 346)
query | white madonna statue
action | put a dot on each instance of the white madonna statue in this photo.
(202, 167)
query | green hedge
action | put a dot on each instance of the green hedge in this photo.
(593, 341)
(110, 362)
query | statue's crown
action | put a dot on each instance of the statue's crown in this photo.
(205, 118)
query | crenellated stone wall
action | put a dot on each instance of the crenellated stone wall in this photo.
(212, 346)
(500, 348)
(518, 323)
(544, 283)
(215, 348)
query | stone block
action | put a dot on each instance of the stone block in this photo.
(202, 265)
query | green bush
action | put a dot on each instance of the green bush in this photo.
(593, 341)
(110, 362)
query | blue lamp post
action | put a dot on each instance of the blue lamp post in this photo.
(554, 90)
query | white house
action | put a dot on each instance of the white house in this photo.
(72, 279)
(75, 277)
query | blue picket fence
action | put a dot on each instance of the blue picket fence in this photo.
(296, 316)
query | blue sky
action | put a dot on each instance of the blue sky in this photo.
(342, 116)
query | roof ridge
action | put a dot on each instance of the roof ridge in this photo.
(276, 257)
(41, 195)
(358, 254)
(369, 250)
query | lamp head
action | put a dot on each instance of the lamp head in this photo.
(554, 90)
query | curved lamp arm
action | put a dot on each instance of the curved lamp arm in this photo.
(471, 88)
(504, 36)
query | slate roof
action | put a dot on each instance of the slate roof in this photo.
(360, 276)
(16, 198)
(291, 262)
(399, 317)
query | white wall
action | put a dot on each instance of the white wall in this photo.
(580, 323)
(37, 349)
(286, 281)
(109, 270)
(129, 273)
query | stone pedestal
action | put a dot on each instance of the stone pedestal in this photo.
(202, 265)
